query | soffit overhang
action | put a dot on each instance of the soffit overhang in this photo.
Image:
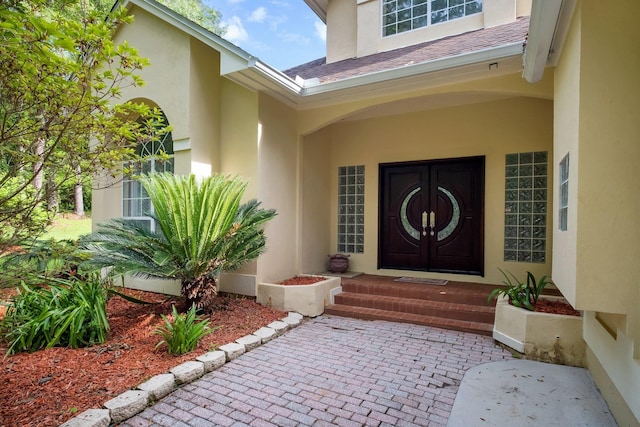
(309, 94)
(319, 7)
(548, 26)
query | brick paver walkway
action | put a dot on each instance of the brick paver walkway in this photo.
(333, 371)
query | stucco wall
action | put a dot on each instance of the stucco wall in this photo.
(239, 135)
(167, 86)
(278, 174)
(490, 129)
(355, 28)
(342, 36)
(204, 108)
(316, 201)
(566, 136)
(597, 105)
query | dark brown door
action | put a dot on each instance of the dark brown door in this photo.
(431, 216)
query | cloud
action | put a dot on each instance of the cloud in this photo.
(289, 37)
(321, 30)
(258, 15)
(276, 21)
(235, 30)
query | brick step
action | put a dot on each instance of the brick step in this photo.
(394, 316)
(452, 292)
(449, 310)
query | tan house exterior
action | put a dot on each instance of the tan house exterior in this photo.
(336, 146)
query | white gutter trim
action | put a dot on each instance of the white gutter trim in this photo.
(490, 54)
(276, 76)
(542, 27)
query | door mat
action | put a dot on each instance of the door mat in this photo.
(345, 275)
(425, 281)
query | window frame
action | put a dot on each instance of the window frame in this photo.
(151, 149)
(563, 193)
(428, 15)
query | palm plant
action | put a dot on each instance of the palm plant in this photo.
(203, 229)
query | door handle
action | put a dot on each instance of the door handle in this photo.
(432, 222)
(424, 223)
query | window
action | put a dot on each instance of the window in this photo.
(399, 16)
(564, 193)
(136, 205)
(525, 217)
(351, 209)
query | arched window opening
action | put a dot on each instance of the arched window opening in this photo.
(156, 153)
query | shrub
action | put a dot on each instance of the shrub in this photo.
(521, 294)
(183, 334)
(39, 260)
(65, 313)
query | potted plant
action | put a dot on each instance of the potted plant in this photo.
(547, 337)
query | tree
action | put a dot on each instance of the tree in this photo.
(60, 82)
(202, 231)
(198, 12)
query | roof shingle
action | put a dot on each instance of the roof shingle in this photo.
(472, 41)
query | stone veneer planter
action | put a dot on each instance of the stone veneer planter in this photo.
(308, 300)
(554, 338)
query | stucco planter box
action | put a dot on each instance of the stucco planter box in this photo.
(554, 338)
(308, 300)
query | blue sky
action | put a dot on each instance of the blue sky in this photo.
(282, 33)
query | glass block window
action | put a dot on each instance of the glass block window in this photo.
(136, 204)
(351, 209)
(564, 193)
(399, 16)
(525, 207)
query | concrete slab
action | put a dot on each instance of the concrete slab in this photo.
(524, 393)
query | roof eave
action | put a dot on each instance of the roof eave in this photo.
(319, 7)
(418, 69)
(232, 58)
(261, 77)
(548, 27)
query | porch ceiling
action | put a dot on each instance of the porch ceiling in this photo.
(424, 103)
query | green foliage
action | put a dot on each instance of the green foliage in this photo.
(521, 294)
(40, 260)
(182, 335)
(61, 77)
(198, 12)
(65, 313)
(202, 230)
(26, 222)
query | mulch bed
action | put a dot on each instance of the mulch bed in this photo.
(555, 307)
(302, 280)
(48, 387)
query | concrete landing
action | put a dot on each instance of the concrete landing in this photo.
(524, 393)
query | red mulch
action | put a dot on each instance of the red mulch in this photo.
(302, 280)
(555, 307)
(48, 387)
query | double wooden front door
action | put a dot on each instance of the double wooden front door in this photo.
(431, 216)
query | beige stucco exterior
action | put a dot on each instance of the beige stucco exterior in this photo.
(595, 261)
(346, 40)
(427, 135)
(586, 106)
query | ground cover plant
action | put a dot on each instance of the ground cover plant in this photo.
(67, 313)
(181, 335)
(47, 387)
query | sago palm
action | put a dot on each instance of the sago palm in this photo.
(202, 230)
